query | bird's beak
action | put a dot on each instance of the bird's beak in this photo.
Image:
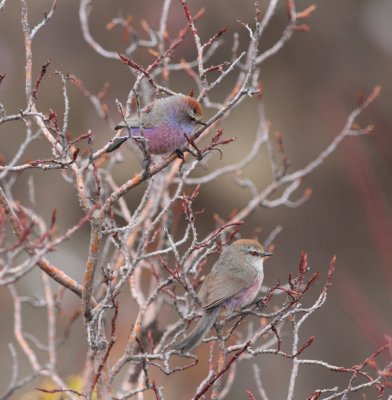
(201, 123)
(267, 254)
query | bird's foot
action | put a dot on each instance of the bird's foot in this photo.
(197, 154)
(261, 304)
(180, 154)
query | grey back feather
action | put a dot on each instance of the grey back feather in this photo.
(152, 114)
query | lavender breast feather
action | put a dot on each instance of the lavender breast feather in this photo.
(163, 138)
(245, 297)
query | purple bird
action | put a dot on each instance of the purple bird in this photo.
(166, 123)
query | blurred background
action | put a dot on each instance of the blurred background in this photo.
(310, 87)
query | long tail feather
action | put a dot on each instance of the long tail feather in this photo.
(201, 329)
(117, 142)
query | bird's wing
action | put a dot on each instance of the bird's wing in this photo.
(221, 286)
(150, 115)
(133, 123)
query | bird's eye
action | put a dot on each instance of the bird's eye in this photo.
(255, 253)
(192, 115)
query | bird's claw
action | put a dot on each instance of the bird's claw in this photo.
(180, 154)
(197, 154)
(261, 304)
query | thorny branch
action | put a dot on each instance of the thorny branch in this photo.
(129, 246)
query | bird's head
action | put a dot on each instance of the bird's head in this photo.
(190, 111)
(251, 250)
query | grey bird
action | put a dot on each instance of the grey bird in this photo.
(234, 282)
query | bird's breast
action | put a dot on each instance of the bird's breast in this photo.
(246, 296)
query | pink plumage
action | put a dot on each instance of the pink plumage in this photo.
(166, 124)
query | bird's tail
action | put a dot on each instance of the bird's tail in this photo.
(117, 142)
(198, 333)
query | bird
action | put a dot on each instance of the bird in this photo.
(233, 283)
(167, 124)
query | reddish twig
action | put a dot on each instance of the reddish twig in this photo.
(217, 375)
(38, 82)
